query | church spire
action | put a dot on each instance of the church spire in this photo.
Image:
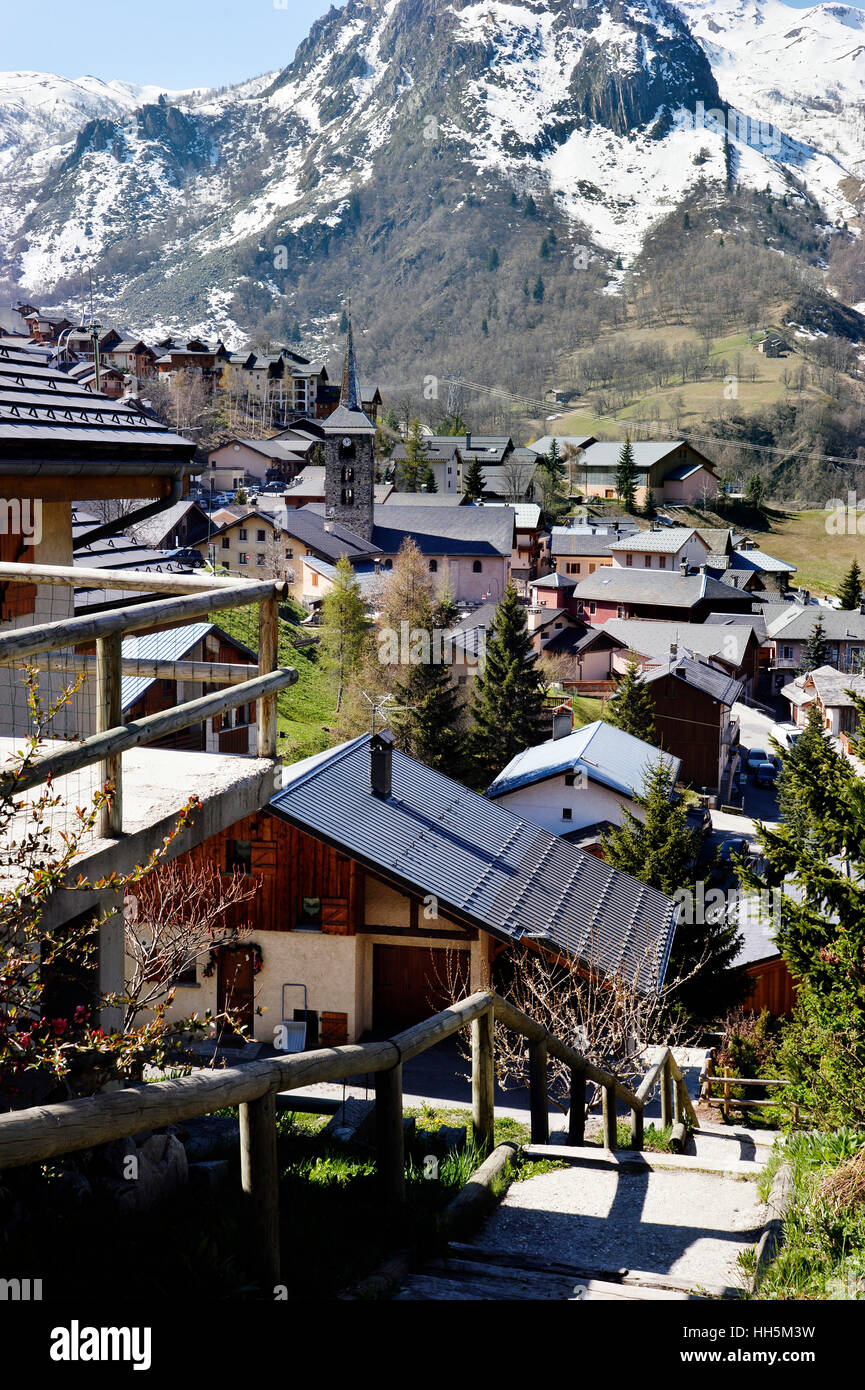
(350, 394)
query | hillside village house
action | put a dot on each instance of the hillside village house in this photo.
(826, 688)
(791, 626)
(672, 549)
(752, 570)
(578, 553)
(380, 877)
(529, 555)
(673, 471)
(693, 717)
(242, 462)
(578, 784)
(730, 645)
(616, 592)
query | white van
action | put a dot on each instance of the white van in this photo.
(786, 734)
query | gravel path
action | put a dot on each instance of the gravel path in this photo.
(688, 1224)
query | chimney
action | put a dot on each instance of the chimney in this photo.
(674, 651)
(381, 763)
(563, 722)
(683, 566)
(468, 439)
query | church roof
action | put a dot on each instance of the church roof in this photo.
(349, 414)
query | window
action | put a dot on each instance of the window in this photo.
(226, 543)
(348, 497)
(629, 559)
(647, 561)
(309, 912)
(314, 580)
(261, 536)
(433, 566)
(569, 779)
(238, 856)
(241, 535)
(388, 564)
(348, 475)
(567, 813)
(243, 558)
(620, 611)
(477, 567)
(592, 569)
(593, 607)
(662, 562)
(259, 559)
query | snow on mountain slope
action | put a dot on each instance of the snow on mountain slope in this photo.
(802, 70)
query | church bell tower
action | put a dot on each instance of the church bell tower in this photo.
(349, 449)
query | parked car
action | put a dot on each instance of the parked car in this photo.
(765, 774)
(188, 555)
(735, 845)
(755, 757)
(699, 818)
(786, 734)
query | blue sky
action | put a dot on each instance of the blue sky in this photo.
(173, 43)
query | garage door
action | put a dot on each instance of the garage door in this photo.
(408, 984)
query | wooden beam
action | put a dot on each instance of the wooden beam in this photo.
(27, 641)
(83, 577)
(637, 1119)
(666, 1109)
(390, 1136)
(577, 1111)
(483, 1079)
(519, 1022)
(110, 716)
(268, 643)
(538, 1097)
(99, 747)
(260, 1180)
(442, 1025)
(611, 1131)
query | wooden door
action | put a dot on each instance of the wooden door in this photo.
(409, 984)
(236, 990)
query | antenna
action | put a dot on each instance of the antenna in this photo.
(384, 707)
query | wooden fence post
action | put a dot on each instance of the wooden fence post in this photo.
(611, 1134)
(666, 1116)
(258, 1175)
(577, 1113)
(109, 675)
(726, 1093)
(483, 1079)
(538, 1093)
(268, 650)
(637, 1129)
(389, 1136)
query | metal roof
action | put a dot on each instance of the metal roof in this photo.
(798, 624)
(555, 581)
(168, 644)
(577, 441)
(654, 639)
(759, 560)
(486, 865)
(436, 530)
(526, 514)
(612, 584)
(606, 754)
(591, 543)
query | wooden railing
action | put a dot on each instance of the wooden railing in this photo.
(37, 1135)
(196, 597)
(726, 1080)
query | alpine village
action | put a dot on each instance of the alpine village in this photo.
(432, 671)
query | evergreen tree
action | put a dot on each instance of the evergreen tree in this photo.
(430, 727)
(626, 477)
(556, 465)
(344, 627)
(428, 479)
(493, 259)
(649, 503)
(755, 491)
(474, 481)
(294, 336)
(508, 695)
(538, 291)
(850, 593)
(816, 651)
(813, 775)
(416, 459)
(661, 850)
(631, 706)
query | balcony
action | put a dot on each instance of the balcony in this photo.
(730, 733)
(105, 748)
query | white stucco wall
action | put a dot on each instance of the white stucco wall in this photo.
(543, 803)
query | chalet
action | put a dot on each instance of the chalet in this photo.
(826, 688)
(530, 543)
(514, 480)
(554, 590)
(731, 645)
(752, 571)
(673, 471)
(672, 549)
(578, 553)
(241, 462)
(634, 593)
(789, 631)
(693, 702)
(380, 877)
(585, 779)
(773, 345)
(133, 357)
(184, 524)
(584, 656)
(107, 380)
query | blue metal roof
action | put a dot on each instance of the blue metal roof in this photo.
(485, 865)
(167, 644)
(606, 754)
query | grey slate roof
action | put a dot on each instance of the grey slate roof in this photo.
(555, 581)
(700, 676)
(565, 542)
(797, 624)
(654, 639)
(578, 441)
(615, 585)
(759, 560)
(665, 542)
(486, 866)
(439, 530)
(47, 417)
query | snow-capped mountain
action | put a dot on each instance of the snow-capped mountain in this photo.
(212, 210)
